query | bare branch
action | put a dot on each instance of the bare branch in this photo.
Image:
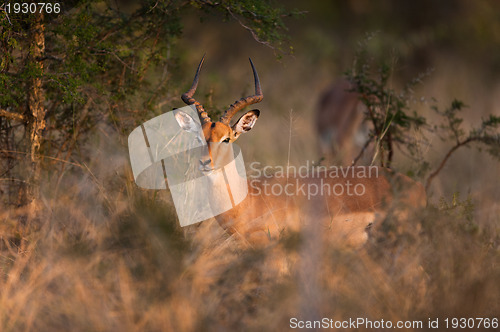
(117, 57)
(6, 14)
(445, 159)
(12, 115)
(252, 31)
(49, 57)
(367, 143)
(149, 11)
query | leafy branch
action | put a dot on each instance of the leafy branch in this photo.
(387, 110)
(263, 21)
(391, 118)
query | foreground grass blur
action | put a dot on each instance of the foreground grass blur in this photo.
(107, 256)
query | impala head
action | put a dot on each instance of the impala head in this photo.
(217, 133)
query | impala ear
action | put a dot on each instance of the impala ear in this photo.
(246, 122)
(186, 122)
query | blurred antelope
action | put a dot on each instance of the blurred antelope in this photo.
(260, 219)
(339, 123)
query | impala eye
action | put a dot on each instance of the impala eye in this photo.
(226, 140)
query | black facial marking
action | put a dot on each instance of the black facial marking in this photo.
(213, 124)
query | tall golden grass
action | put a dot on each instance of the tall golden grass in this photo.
(105, 255)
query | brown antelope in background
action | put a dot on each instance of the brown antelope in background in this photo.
(339, 123)
(261, 218)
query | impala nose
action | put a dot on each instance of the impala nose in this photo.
(205, 162)
(205, 165)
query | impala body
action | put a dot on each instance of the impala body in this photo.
(261, 218)
(339, 123)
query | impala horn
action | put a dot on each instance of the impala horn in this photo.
(187, 97)
(243, 102)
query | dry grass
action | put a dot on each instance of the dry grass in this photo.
(108, 256)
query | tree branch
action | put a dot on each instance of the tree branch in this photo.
(249, 29)
(362, 151)
(445, 159)
(12, 115)
(6, 14)
(49, 57)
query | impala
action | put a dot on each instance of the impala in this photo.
(339, 123)
(262, 217)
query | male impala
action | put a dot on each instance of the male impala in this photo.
(263, 216)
